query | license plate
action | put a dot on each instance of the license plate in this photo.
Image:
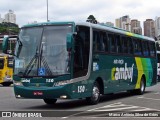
(37, 93)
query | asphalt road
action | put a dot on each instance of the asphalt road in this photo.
(119, 103)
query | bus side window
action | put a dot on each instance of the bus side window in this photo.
(158, 60)
(102, 44)
(106, 42)
(145, 48)
(140, 47)
(125, 45)
(95, 47)
(119, 44)
(112, 42)
(130, 46)
(96, 41)
(137, 47)
(99, 44)
(152, 49)
(158, 46)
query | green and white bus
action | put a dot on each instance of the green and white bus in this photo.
(158, 60)
(72, 60)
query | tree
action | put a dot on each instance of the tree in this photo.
(9, 28)
(91, 19)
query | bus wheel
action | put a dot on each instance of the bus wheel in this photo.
(141, 90)
(50, 101)
(94, 99)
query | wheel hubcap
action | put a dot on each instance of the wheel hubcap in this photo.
(95, 93)
(142, 86)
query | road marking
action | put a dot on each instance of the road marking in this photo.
(142, 97)
(126, 118)
(145, 109)
(157, 93)
(64, 117)
(115, 107)
(118, 109)
(105, 106)
(88, 110)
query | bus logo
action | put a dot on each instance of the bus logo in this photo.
(119, 73)
(37, 85)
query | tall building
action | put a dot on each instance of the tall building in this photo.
(1, 19)
(117, 23)
(124, 23)
(149, 28)
(136, 27)
(157, 27)
(10, 17)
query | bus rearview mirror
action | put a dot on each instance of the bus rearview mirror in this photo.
(69, 40)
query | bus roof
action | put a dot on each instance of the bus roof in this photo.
(115, 30)
(48, 23)
(97, 26)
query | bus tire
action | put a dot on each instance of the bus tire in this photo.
(95, 97)
(141, 90)
(50, 101)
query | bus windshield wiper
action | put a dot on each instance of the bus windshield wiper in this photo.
(31, 63)
(19, 42)
(38, 59)
(42, 60)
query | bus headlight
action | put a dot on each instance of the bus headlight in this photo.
(61, 83)
(17, 83)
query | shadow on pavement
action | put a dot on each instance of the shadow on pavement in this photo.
(70, 104)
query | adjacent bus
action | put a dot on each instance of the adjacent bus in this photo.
(71, 60)
(11, 43)
(6, 61)
(158, 60)
(6, 69)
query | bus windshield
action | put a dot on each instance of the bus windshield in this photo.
(43, 52)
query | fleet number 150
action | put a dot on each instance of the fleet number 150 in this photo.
(81, 89)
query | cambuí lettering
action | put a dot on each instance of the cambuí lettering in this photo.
(125, 72)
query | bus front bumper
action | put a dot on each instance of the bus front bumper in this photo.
(43, 92)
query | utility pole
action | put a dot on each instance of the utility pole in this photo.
(47, 11)
(9, 30)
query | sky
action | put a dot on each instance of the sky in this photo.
(28, 11)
